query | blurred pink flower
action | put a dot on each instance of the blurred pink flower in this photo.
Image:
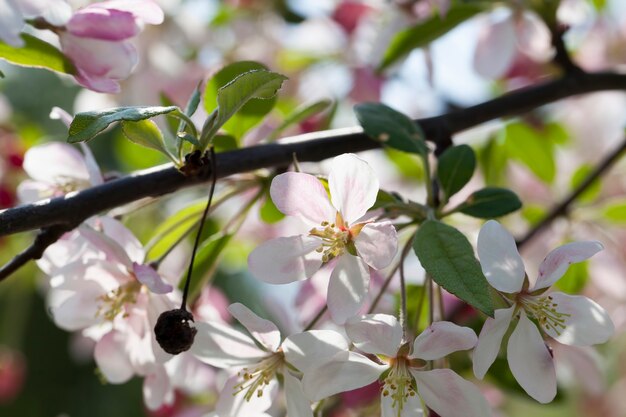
(12, 374)
(13, 13)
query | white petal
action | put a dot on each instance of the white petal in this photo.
(233, 404)
(95, 176)
(377, 244)
(11, 23)
(303, 196)
(353, 186)
(588, 323)
(344, 373)
(112, 359)
(297, 404)
(534, 37)
(264, 331)
(285, 259)
(157, 389)
(347, 288)
(449, 395)
(55, 162)
(531, 362)
(151, 279)
(412, 407)
(309, 349)
(80, 309)
(495, 49)
(558, 261)
(123, 237)
(442, 338)
(101, 242)
(490, 339)
(30, 191)
(499, 259)
(221, 346)
(375, 333)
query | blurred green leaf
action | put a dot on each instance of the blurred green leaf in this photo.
(416, 299)
(446, 254)
(244, 93)
(575, 280)
(427, 31)
(599, 5)
(455, 168)
(493, 158)
(490, 202)
(615, 211)
(593, 190)
(36, 53)
(205, 262)
(391, 128)
(300, 114)
(145, 133)
(269, 212)
(408, 165)
(533, 148)
(224, 143)
(88, 124)
(533, 213)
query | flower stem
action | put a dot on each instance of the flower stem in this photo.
(317, 318)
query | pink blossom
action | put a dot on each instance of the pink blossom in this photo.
(13, 13)
(343, 238)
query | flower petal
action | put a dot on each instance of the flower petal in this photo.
(303, 196)
(112, 359)
(57, 163)
(264, 331)
(343, 373)
(490, 339)
(558, 261)
(298, 405)
(531, 362)
(285, 259)
(347, 288)
(99, 23)
(375, 333)
(157, 389)
(146, 10)
(308, 349)
(442, 338)
(495, 49)
(151, 279)
(123, 237)
(588, 323)
(11, 23)
(353, 186)
(377, 244)
(222, 346)
(499, 259)
(446, 393)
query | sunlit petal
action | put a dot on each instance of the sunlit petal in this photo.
(348, 287)
(490, 339)
(499, 259)
(353, 186)
(264, 331)
(442, 338)
(375, 333)
(558, 261)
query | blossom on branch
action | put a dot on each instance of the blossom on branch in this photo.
(344, 238)
(571, 320)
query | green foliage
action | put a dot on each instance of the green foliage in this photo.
(145, 133)
(615, 211)
(455, 168)
(269, 212)
(205, 262)
(490, 202)
(533, 213)
(446, 254)
(492, 159)
(244, 92)
(425, 32)
(416, 306)
(391, 128)
(300, 114)
(533, 148)
(593, 190)
(408, 165)
(36, 53)
(575, 280)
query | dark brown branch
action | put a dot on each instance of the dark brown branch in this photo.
(562, 57)
(562, 209)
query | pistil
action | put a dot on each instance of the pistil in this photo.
(257, 378)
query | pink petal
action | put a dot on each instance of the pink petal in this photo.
(558, 261)
(55, 163)
(588, 323)
(297, 403)
(347, 288)
(112, 359)
(285, 259)
(113, 252)
(442, 338)
(95, 176)
(264, 331)
(11, 23)
(123, 237)
(377, 244)
(375, 334)
(499, 259)
(496, 48)
(307, 350)
(99, 23)
(56, 12)
(303, 196)
(151, 279)
(30, 191)
(449, 395)
(353, 186)
(533, 37)
(222, 346)
(157, 389)
(344, 373)
(146, 10)
(490, 339)
(80, 307)
(531, 362)
(233, 404)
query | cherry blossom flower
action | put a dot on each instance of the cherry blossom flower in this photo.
(260, 358)
(570, 319)
(13, 13)
(399, 365)
(343, 238)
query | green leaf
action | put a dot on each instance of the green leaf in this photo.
(575, 280)
(593, 190)
(615, 211)
(87, 125)
(533, 148)
(145, 133)
(455, 168)
(36, 53)
(269, 212)
(446, 254)
(299, 115)
(224, 143)
(490, 202)
(427, 31)
(493, 159)
(391, 128)
(206, 261)
(244, 93)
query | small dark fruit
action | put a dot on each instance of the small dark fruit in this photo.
(174, 331)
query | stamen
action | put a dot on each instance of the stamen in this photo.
(398, 384)
(334, 239)
(254, 380)
(544, 309)
(113, 303)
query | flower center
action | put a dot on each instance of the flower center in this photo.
(256, 379)
(544, 309)
(335, 238)
(398, 384)
(113, 302)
